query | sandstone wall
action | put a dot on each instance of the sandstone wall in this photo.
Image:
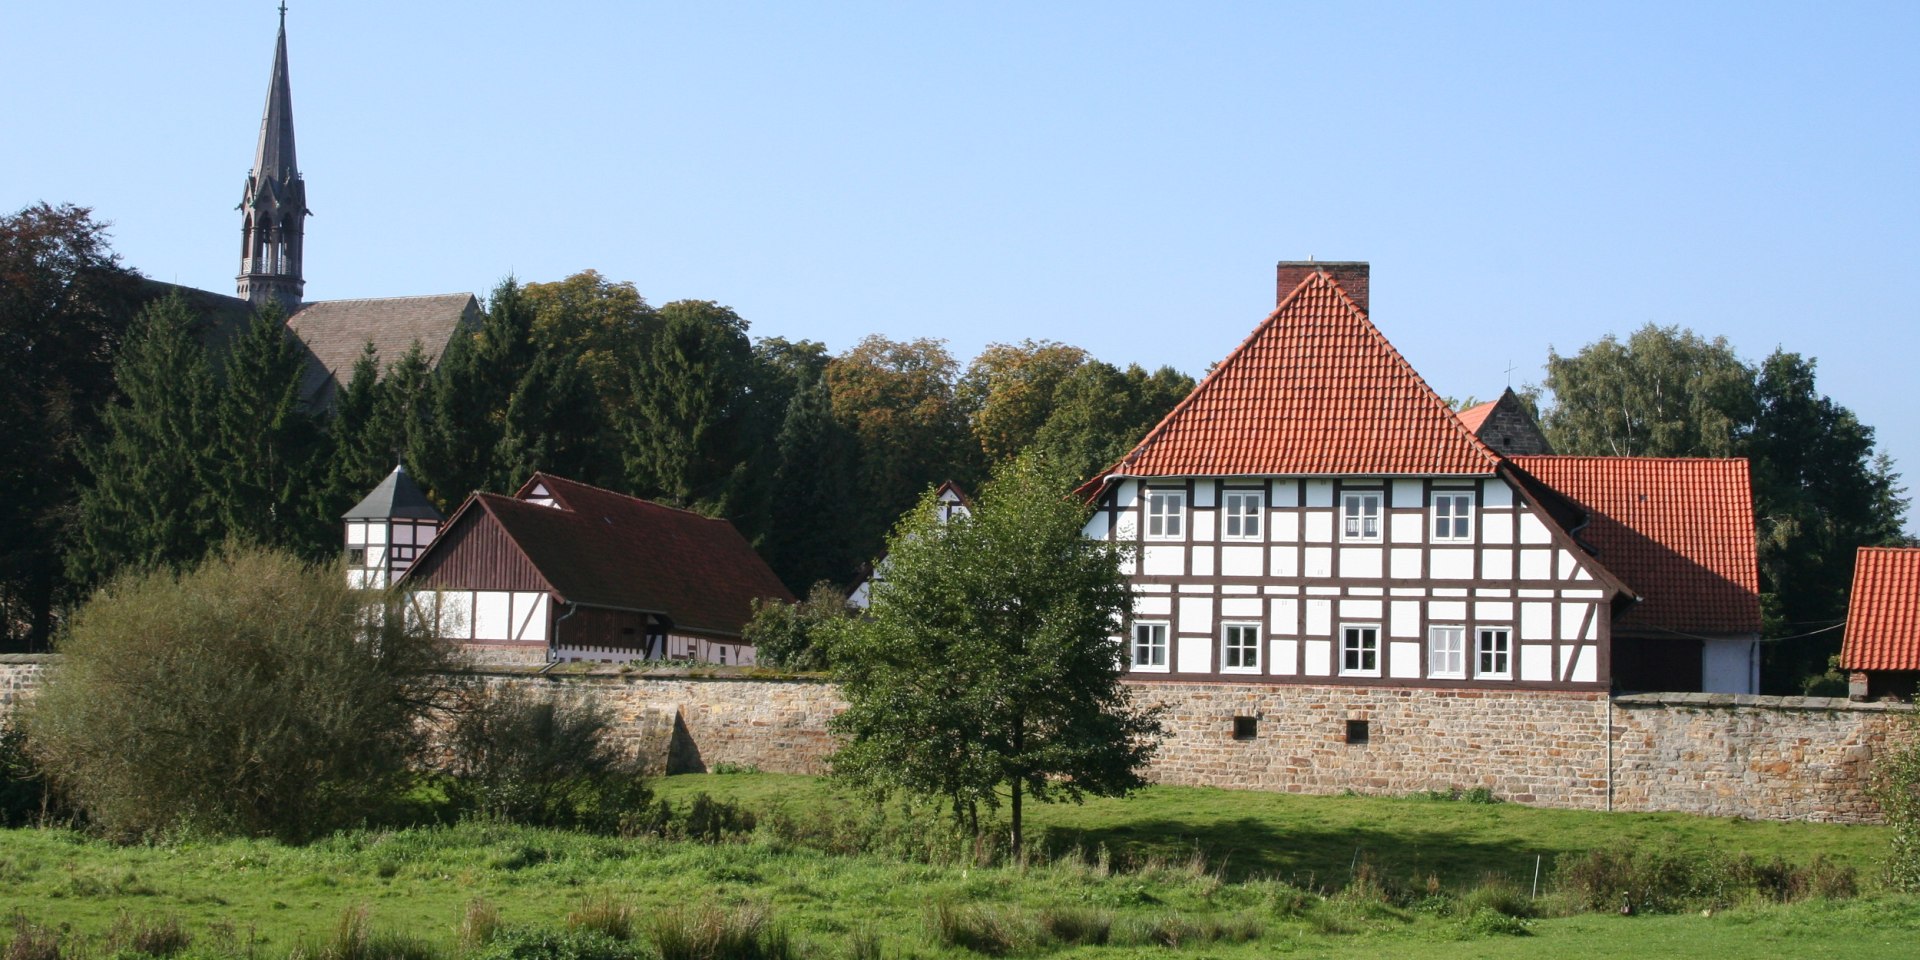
(1547, 748)
(1771, 758)
(19, 673)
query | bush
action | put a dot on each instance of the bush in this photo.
(24, 797)
(1896, 787)
(575, 944)
(787, 635)
(1666, 881)
(542, 762)
(254, 694)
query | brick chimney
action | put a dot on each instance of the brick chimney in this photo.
(1351, 275)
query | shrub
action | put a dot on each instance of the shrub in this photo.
(541, 762)
(523, 944)
(787, 635)
(254, 694)
(1896, 787)
(1665, 881)
(24, 797)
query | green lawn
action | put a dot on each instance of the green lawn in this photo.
(1258, 849)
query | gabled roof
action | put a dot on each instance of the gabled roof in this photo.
(1678, 531)
(396, 497)
(1883, 614)
(336, 331)
(1472, 417)
(1315, 390)
(604, 549)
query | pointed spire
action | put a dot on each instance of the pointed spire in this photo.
(274, 206)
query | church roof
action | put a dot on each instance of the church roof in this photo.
(1315, 390)
(396, 497)
(1678, 531)
(336, 331)
(600, 548)
(1883, 613)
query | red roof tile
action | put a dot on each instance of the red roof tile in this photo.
(1678, 531)
(1472, 417)
(1315, 390)
(606, 549)
(1883, 615)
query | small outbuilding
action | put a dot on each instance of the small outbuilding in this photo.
(1881, 652)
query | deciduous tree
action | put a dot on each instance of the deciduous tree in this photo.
(1666, 392)
(897, 398)
(988, 663)
(1008, 392)
(1100, 412)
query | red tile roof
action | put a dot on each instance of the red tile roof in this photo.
(1315, 390)
(1883, 615)
(1677, 531)
(1472, 417)
(602, 548)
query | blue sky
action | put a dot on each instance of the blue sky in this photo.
(1117, 176)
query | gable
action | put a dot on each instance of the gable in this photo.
(1316, 390)
(335, 332)
(473, 552)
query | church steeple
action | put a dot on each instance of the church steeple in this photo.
(274, 207)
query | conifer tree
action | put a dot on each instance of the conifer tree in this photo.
(150, 500)
(817, 456)
(270, 444)
(688, 435)
(458, 452)
(552, 422)
(354, 462)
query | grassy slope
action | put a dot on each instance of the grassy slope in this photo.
(419, 880)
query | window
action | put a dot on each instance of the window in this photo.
(1452, 517)
(1361, 516)
(1246, 728)
(1243, 514)
(1496, 654)
(1240, 648)
(1360, 651)
(1150, 646)
(1357, 733)
(357, 557)
(1447, 652)
(1166, 514)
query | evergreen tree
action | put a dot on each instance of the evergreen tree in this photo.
(807, 540)
(150, 500)
(552, 422)
(271, 448)
(689, 432)
(1099, 412)
(986, 666)
(355, 461)
(458, 452)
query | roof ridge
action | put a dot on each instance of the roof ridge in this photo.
(411, 296)
(1629, 458)
(629, 496)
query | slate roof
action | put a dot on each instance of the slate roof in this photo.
(1316, 390)
(1883, 614)
(1678, 531)
(335, 331)
(606, 549)
(396, 497)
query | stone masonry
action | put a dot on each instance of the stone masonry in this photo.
(1771, 758)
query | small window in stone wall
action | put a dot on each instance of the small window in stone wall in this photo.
(1246, 728)
(1357, 733)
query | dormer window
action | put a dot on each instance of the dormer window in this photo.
(541, 495)
(1360, 516)
(1166, 514)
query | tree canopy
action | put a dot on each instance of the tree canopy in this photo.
(987, 661)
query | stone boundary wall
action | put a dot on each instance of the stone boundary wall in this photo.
(1534, 747)
(1764, 758)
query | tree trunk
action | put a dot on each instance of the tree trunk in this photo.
(1016, 819)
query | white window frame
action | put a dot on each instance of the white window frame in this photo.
(1242, 507)
(1456, 650)
(1251, 651)
(1347, 632)
(1482, 649)
(1434, 519)
(1166, 522)
(1348, 499)
(1164, 645)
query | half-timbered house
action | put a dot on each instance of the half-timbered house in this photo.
(951, 501)
(1315, 513)
(563, 571)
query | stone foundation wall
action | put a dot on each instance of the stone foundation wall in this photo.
(1770, 758)
(1547, 748)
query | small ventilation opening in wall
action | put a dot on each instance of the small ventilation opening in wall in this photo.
(1357, 732)
(1246, 728)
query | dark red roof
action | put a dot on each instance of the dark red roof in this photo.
(606, 549)
(1679, 532)
(1883, 615)
(1315, 390)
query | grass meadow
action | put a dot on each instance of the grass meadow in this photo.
(1171, 870)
